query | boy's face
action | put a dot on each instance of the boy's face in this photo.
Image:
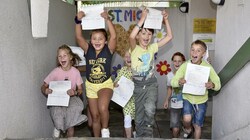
(177, 61)
(144, 37)
(98, 40)
(196, 53)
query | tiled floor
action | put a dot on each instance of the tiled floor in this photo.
(161, 127)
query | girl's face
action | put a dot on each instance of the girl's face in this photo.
(127, 59)
(177, 61)
(98, 40)
(144, 37)
(197, 52)
(64, 59)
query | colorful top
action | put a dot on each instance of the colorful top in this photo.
(176, 100)
(98, 68)
(58, 74)
(129, 108)
(196, 99)
(143, 62)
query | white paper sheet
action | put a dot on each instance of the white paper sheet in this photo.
(153, 19)
(59, 96)
(93, 19)
(80, 53)
(123, 92)
(196, 77)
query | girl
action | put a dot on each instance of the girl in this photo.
(65, 118)
(129, 108)
(99, 85)
(174, 96)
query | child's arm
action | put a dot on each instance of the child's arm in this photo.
(78, 32)
(214, 81)
(112, 39)
(45, 89)
(133, 34)
(169, 93)
(72, 92)
(169, 35)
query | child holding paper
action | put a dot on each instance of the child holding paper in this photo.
(99, 85)
(174, 99)
(142, 64)
(129, 108)
(65, 118)
(194, 106)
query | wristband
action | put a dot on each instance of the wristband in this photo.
(138, 26)
(77, 21)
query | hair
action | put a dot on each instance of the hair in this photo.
(178, 54)
(103, 31)
(199, 42)
(75, 60)
(151, 30)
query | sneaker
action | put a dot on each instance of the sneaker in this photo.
(105, 133)
(186, 134)
(56, 133)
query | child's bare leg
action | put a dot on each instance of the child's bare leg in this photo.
(96, 124)
(128, 132)
(104, 97)
(197, 131)
(70, 132)
(187, 122)
(175, 132)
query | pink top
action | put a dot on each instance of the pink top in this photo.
(58, 74)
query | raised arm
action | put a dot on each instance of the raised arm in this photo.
(78, 32)
(169, 35)
(112, 39)
(133, 34)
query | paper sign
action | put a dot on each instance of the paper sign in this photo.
(153, 19)
(59, 96)
(93, 19)
(196, 76)
(79, 51)
(123, 92)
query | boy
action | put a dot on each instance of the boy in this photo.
(194, 106)
(142, 63)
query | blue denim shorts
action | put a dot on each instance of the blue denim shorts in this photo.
(197, 111)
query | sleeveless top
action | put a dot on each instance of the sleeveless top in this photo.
(98, 68)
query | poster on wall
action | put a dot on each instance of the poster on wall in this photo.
(209, 39)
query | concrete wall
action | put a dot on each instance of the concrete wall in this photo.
(231, 106)
(25, 62)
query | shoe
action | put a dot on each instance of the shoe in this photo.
(56, 133)
(105, 133)
(186, 134)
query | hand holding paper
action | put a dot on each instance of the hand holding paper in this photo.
(59, 96)
(153, 19)
(92, 18)
(123, 92)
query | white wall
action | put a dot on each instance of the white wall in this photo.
(231, 106)
(24, 64)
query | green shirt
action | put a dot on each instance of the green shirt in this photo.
(196, 99)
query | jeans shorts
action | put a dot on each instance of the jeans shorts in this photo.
(175, 117)
(197, 111)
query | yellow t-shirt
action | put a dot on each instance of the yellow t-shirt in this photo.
(142, 61)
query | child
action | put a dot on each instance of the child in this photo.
(65, 118)
(174, 96)
(129, 108)
(194, 106)
(99, 85)
(142, 64)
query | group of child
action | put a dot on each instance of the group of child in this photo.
(139, 67)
